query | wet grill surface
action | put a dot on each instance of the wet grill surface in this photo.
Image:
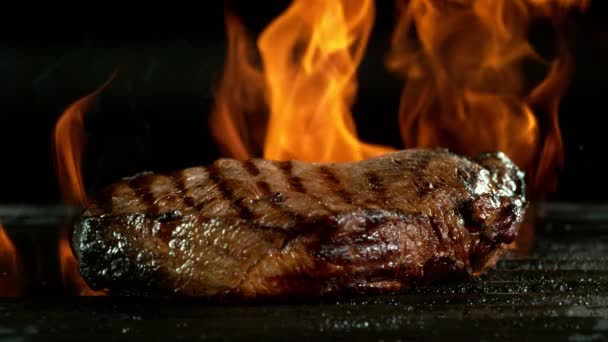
(559, 292)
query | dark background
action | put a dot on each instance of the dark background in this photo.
(154, 115)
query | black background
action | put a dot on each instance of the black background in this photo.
(154, 115)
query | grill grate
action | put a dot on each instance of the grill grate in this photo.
(559, 291)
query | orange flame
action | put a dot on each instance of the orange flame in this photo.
(310, 54)
(309, 57)
(10, 282)
(69, 143)
(465, 87)
(239, 100)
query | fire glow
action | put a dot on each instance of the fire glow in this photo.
(10, 284)
(310, 55)
(464, 82)
(466, 86)
(462, 62)
(69, 144)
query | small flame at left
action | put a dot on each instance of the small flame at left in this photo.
(10, 282)
(69, 146)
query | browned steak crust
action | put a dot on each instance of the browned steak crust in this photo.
(262, 228)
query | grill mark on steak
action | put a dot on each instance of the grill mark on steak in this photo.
(297, 185)
(375, 184)
(332, 180)
(275, 199)
(244, 210)
(213, 183)
(420, 181)
(253, 171)
(294, 182)
(178, 181)
(143, 192)
(200, 206)
(189, 201)
(179, 184)
(250, 167)
(264, 187)
(227, 192)
(216, 178)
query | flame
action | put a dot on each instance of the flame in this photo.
(463, 61)
(69, 143)
(70, 276)
(10, 282)
(239, 101)
(309, 56)
(465, 87)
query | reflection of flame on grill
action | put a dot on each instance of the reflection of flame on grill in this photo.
(465, 88)
(69, 142)
(10, 282)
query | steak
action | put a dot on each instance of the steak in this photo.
(267, 229)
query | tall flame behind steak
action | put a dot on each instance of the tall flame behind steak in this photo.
(260, 228)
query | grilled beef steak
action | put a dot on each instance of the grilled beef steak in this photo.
(259, 228)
